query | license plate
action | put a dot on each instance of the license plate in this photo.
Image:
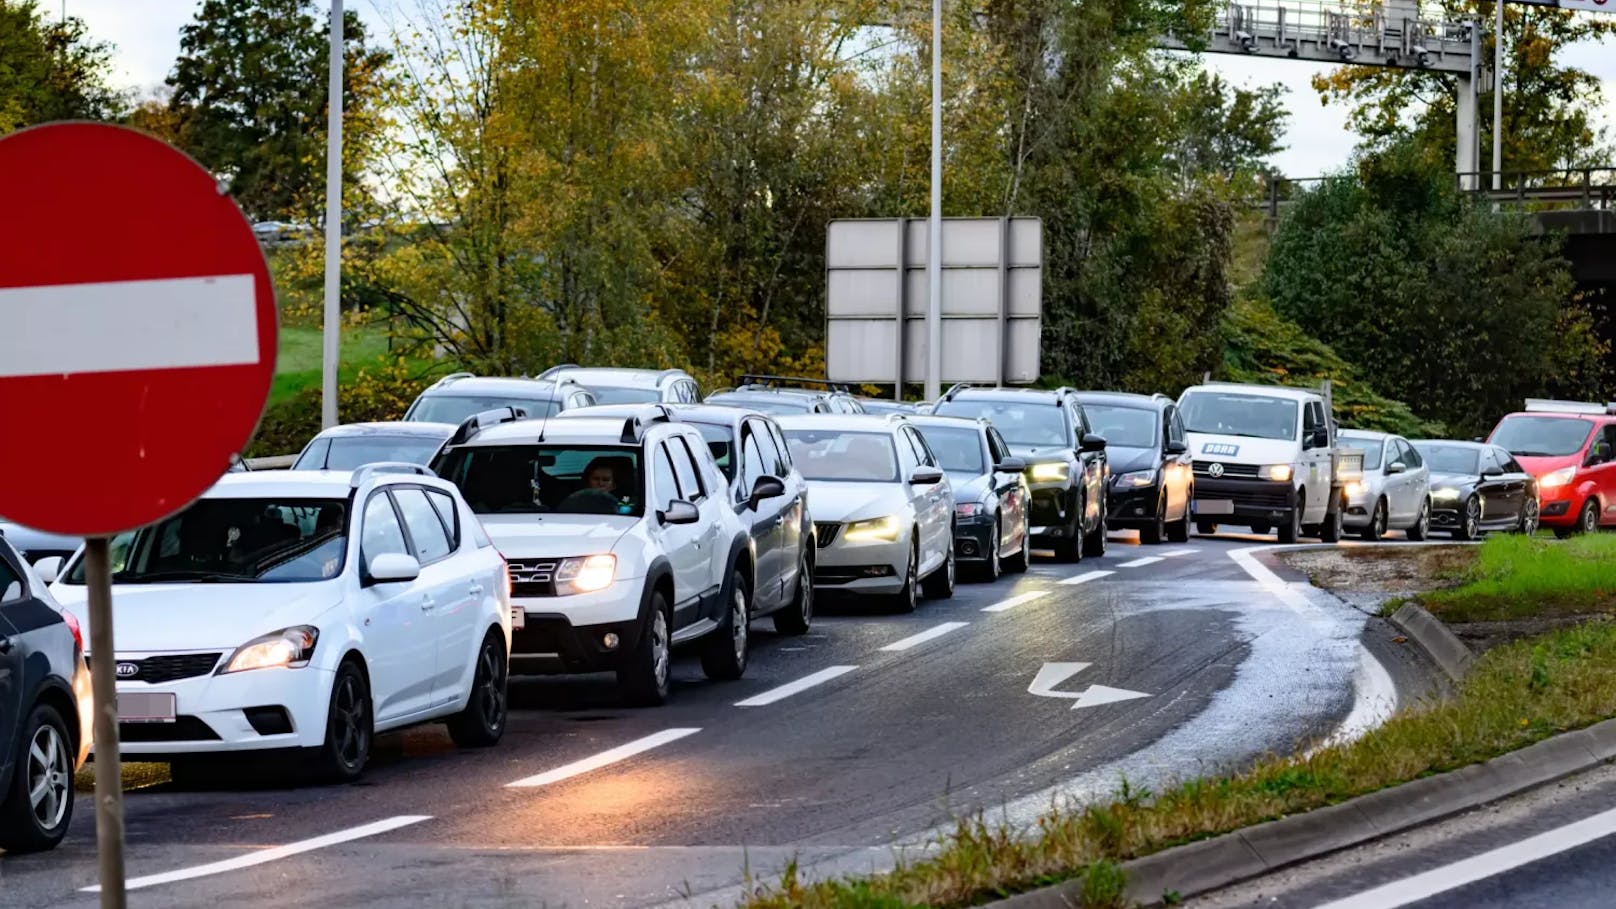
(1214, 506)
(145, 707)
(518, 618)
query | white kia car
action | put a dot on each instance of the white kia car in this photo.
(305, 611)
(883, 509)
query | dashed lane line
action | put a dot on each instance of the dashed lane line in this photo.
(1087, 576)
(921, 638)
(1013, 602)
(604, 759)
(1140, 563)
(1175, 553)
(797, 687)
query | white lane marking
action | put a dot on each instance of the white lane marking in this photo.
(124, 325)
(924, 636)
(1480, 867)
(1015, 601)
(605, 758)
(1052, 674)
(1087, 576)
(1140, 563)
(1175, 553)
(263, 856)
(791, 688)
(1096, 695)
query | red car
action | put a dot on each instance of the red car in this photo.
(1571, 449)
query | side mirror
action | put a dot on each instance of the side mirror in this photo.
(392, 567)
(1321, 438)
(1092, 442)
(680, 512)
(1177, 447)
(925, 476)
(1395, 467)
(1491, 473)
(765, 488)
(49, 569)
(1011, 465)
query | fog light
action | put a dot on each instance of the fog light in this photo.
(967, 547)
(608, 641)
(1139, 509)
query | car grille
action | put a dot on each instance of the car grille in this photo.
(170, 667)
(826, 533)
(1231, 471)
(533, 577)
(183, 729)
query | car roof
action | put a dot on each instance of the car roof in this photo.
(1124, 399)
(603, 430)
(304, 484)
(712, 414)
(947, 422)
(843, 422)
(759, 391)
(1036, 395)
(422, 429)
(1271, 391)
(469, 386)
(618, 377)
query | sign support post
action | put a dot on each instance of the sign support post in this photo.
(333, 228)
(108, 764)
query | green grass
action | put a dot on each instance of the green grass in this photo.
(135, 776)
(298, 365)
(1517, 577)
(1517, 694)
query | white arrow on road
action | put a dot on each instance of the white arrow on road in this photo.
(1052, 674)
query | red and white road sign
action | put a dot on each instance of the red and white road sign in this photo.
(137, 329)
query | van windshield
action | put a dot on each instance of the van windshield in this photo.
(1542, 437)
(1231, 414)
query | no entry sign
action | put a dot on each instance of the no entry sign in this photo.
(137, 329)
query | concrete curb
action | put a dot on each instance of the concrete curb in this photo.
(1218, 862)
(1439, 642)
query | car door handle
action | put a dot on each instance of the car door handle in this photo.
(427, 603)
(5, 644)
(476, 589)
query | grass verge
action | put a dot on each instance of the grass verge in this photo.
(135, 776)
(1516, 577)
(298, 364)
(1517, 694)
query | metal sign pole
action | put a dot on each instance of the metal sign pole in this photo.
(103, 686)
(1498, 96)
(333, 226)
(934, 248)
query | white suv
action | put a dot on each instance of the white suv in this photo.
(305, 610)
(621, 542)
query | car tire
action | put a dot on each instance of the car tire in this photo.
(1291, 530)
(1469, 527)
(1422, 526)
(644, 680)
(1017, 563)
(482, 722)
(1262, 529)
(1153, 533)
(796, 618)
(1587, 518)
(939, 585)
(350, 727)
(725, 652)
(1206, 528)
(994, 566)
(1094, 541)
(1377, 524)
(35, 813)
(1529, 518)
(1331, 531)
(907, 599)
(1179, 530)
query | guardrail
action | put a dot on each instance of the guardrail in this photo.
(1575, 188)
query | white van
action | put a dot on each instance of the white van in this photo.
(1265, 457)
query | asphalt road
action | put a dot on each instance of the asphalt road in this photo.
(1195, 659)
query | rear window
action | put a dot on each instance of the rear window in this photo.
(1458, 459)
(347, 453)
(1542, 437)
(444, 408)
(605, 395)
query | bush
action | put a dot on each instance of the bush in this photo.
(383, 393)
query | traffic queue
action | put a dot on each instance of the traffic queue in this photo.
(594, 520)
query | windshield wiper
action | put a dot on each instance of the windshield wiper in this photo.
(1225, 432)
(201, 577)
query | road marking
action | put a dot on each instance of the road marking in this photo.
(1052, 674)
(1095, 695)
(605, 758)
(791, 688)
(115, 326)
(1087, 576)
(924, 636)
(263, 856)
(1175, 553)
(1015, 601)
(1480, 867)
(1140, 563)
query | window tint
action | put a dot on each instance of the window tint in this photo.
(752, 462)
(381, 533)
(1080, 419)
(1001, 448)
(666, 488)
(10, 582)
(445, 506)
(1407, 454)
(922, 450)
(1177, 425)
(684, 466)
(426, 528)
(783, 465)
(766, 447)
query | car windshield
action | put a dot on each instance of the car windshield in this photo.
(1123, 427)
(778, 405)
(721, 443)
(1371, 449)
(455, 408)
(958, 448)
(1542, 437)
(1230, 414)
(349, 452)
(1459, 459)
(547, 479)
(829, 454)
(1034, 424)
(608, 395)
(234, 541)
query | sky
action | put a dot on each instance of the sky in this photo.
(146, 33)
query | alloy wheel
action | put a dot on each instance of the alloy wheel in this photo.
(1590, 517)
(1530, 517)
(490, 691)
(1381, 520)
(738, 624)
(659, 648)
(352, 729)
(49, 777)
(805, 579)
(995, 541)
(1472, 518)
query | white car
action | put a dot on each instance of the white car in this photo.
(459, 396)
(305, 610)
(1393, 490)
(883, 509)
(622, 544)
(612, 385)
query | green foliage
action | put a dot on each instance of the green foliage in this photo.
(1525, 577)
(51, 70)
(382, 392)
(1104, 886)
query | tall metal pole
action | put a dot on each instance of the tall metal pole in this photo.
(333, 227)
(934, 248)
(104, 726)
(1498, 95)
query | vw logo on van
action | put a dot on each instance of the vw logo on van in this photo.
(1215, 471)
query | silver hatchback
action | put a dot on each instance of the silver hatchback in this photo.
(1394, 492)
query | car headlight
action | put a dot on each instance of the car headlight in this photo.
(1445, 495)
(969, 509)
(1356, 488)
(1137, 478)
(1279, 473)
(289, 648)
(1054, 472)
(1554, 479)
(874, 530)
(587, 574)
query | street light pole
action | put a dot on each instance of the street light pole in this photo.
(333, 228)
(1498, 95)
(934, 248)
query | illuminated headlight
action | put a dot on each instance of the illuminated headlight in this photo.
(289, 648)
(969, 509)
(1279, 473)
(1356, 489)
(1049, 473)
(874, 530)
(1554, 479)
(1137, 478)
(1444, 495)
(587, 574)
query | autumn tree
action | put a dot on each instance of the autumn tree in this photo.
(52, 70)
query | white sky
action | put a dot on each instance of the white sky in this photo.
(146, 33)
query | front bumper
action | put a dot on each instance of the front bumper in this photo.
(569, 633)
(874, 567)
(1252, 500)
(1051, 508)
(216, 714)
(1557, 507)
(1133, 507)
(973, 539)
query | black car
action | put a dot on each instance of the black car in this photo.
(44, 710)
(767, 492)
(990, 493)
(354, 445)
(1476, 487)
(1067, 467)
(784, 395)
(1152, 481)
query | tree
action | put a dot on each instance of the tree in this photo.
(51, 70)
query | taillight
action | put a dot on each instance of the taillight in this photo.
(73, 626)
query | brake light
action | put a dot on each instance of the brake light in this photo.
(73, 626)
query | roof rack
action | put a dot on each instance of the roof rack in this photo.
(452, 378)
(1548, 405)
(366, 471)
(773, 381)
(634, 427)
(477, 422)
(554, 370)
(953, 390)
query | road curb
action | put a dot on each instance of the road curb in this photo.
(1230, 858)
(1439, 642)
